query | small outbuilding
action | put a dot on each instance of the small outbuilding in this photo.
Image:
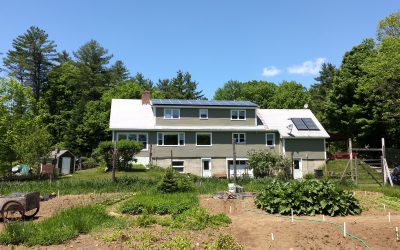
(64, 161)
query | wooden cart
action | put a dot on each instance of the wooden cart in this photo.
(19, 206)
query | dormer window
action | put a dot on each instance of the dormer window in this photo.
(203, 113)
(172, 113)
(238, 114)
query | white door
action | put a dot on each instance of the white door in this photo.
(66, 165)
(297, 169)
(206, 167)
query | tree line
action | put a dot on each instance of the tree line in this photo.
(60, 99)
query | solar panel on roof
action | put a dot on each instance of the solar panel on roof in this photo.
(202, 103)
(298, 122)
(310, 123)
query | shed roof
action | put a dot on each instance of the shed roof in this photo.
(60, 153)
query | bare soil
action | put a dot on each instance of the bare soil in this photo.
(250, 226)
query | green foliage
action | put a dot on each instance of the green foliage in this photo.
(175, 182)
(198, 218)
(159, 203)
(227, 242)
(178, 243)
(125, 151)
(180, 87)
(389, 27)
(145, 220)
(308, 197)
(290, 95)
(268, 163)
(31, 59)
(63, 226)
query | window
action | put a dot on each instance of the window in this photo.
(172, 114)
(178, 166)
(238, 114)
(203, 113)
(171, 139)
(203, 139)
(239, 137)
(270, 139)
(139, 137)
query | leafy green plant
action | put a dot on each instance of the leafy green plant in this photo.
(175, 182)
(227, 242)
(159, 203)
(179, 243)
(266, 163)
(198, 218)
(146, 220)
(308, 197)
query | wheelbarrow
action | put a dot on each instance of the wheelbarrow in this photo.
(19, 206)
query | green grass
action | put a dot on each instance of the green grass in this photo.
(63, 226)
(157, 203)
(366, 173)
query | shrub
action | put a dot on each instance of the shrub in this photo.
(146, 220)
(266, 163)
(308, 197)
(126, 150)
(175, 182)
(159, 203)
(198, 218)
(227, 242)
(63, 226)
(309, 176)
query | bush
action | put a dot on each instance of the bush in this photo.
(266, 163)
(159, 203)
(175, 182)
(126, 150)
(198, 218)
(308, 197)
(57, 229)
(227, 242)
(88, 163)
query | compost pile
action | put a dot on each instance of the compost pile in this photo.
(307, 197)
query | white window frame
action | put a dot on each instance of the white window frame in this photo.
(273, 139)
(183, 166)
(206, 112)
(171, 111)
(204, 133)
(137, 138)
(239, 142)
(181, 136)
(238, 114)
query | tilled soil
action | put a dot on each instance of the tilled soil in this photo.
(250, 227)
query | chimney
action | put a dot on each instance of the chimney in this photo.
(146, 97)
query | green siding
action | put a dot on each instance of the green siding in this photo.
(216, 117)
(305, 148)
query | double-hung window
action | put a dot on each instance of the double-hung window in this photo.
(203, 139)
(178, 166)
(240, 138)
(270, 139)
(139, 137)
(172, 113)
(238, 114)
(203, 113)
(171, 139)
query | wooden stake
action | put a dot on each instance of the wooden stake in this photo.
(234, 160)
(344, 229)
(230, 209)
(389, 216)
(58, 193)
(292, 216)
(384, 207)
(272, 236)
(323, 217)
(397, 233)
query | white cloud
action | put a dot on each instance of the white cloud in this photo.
(271, 71)
(308, 67)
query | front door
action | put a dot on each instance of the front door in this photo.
(297, 169)
(66, 165)
(206, 167)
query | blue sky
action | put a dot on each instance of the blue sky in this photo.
(215, 41)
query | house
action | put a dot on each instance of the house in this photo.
(195, 136)
(64, 161)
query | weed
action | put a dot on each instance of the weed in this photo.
(146, 220)
(227, 242)
(197, 219)
(178, 242)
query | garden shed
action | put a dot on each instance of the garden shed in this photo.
(64, 161)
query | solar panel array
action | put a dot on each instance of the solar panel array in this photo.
(304, 124)
(177, 102)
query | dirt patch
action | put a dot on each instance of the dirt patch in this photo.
(253, 228)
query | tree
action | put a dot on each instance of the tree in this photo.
(319, 91)
(180, 87)
(144, 83)
(259, 92)
(389, 27)
(118, 72)
(31, 59)
(290, 95)
(267, 163)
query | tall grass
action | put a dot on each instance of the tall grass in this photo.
(63, 226)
